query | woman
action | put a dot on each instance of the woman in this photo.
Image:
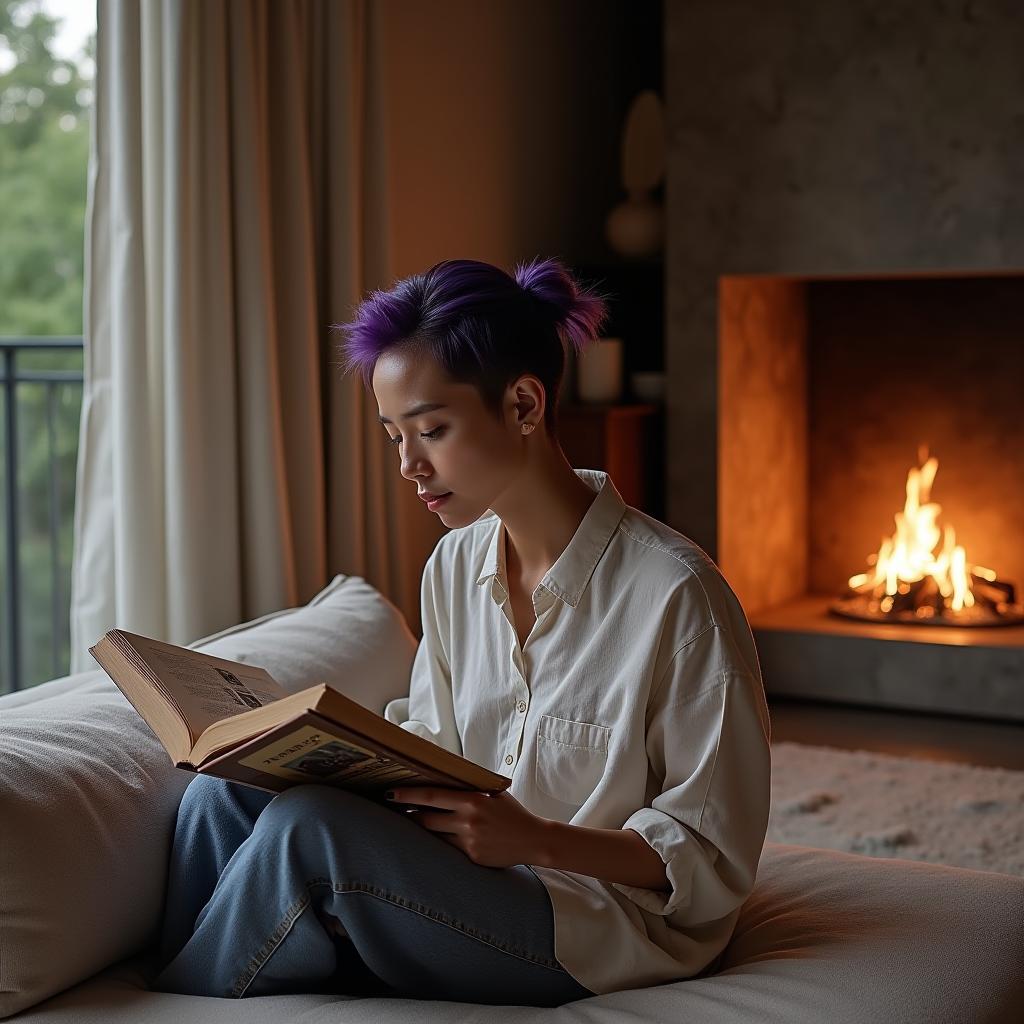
(587, 651)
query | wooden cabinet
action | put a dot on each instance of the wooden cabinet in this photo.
(626, 441)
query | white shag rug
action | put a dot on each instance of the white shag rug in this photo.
(881, 805)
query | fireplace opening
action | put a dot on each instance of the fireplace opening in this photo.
(829, 389)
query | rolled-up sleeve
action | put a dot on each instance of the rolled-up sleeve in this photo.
(429, 709)
(708, 743)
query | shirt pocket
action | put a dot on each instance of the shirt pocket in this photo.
(571, 758)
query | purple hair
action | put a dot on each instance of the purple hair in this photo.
(482, 325)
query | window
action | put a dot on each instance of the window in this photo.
(47, 51)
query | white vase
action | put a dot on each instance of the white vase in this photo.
(635, 228)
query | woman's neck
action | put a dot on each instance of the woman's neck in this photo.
(541, 510)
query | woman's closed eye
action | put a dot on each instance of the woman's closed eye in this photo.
(430, 435)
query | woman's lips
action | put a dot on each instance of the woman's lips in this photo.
(436, 503)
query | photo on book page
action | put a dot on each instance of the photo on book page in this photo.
(310, 754)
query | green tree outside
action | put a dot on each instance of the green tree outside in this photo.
(45, 107)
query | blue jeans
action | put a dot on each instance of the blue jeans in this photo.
(253, 876)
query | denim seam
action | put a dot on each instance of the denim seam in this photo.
(266, 951)
(295, 910)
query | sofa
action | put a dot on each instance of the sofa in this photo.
(89, 799)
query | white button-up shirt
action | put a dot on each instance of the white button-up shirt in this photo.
(636, 702)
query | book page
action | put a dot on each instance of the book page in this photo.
(207, 693)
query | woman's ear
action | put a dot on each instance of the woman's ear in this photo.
(528, 399)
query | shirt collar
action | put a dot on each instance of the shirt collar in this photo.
(569, 576)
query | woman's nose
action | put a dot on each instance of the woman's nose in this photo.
(413, 466)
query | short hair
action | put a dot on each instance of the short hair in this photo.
(482, 325)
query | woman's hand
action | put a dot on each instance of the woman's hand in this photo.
(493, 831)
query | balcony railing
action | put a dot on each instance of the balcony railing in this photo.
(37, 482)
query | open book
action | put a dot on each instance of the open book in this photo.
(232, 720)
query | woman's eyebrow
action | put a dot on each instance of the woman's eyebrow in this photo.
(416, 410)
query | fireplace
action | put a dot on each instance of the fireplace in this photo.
(831, 391)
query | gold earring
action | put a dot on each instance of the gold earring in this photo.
(527, 427)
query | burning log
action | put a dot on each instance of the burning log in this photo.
(1007, 590)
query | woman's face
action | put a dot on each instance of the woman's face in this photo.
(447, 441)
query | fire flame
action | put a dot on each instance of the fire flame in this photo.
(909, 554)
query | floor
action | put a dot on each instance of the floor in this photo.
(903, 733)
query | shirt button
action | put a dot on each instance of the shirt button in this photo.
(508, 759)
(522, 705)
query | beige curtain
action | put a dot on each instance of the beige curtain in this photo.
(235, 210)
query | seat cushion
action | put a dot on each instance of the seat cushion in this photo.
(88, 796)
(825, 936)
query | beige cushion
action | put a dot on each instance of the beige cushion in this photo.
(826, 938)
(88, 797)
